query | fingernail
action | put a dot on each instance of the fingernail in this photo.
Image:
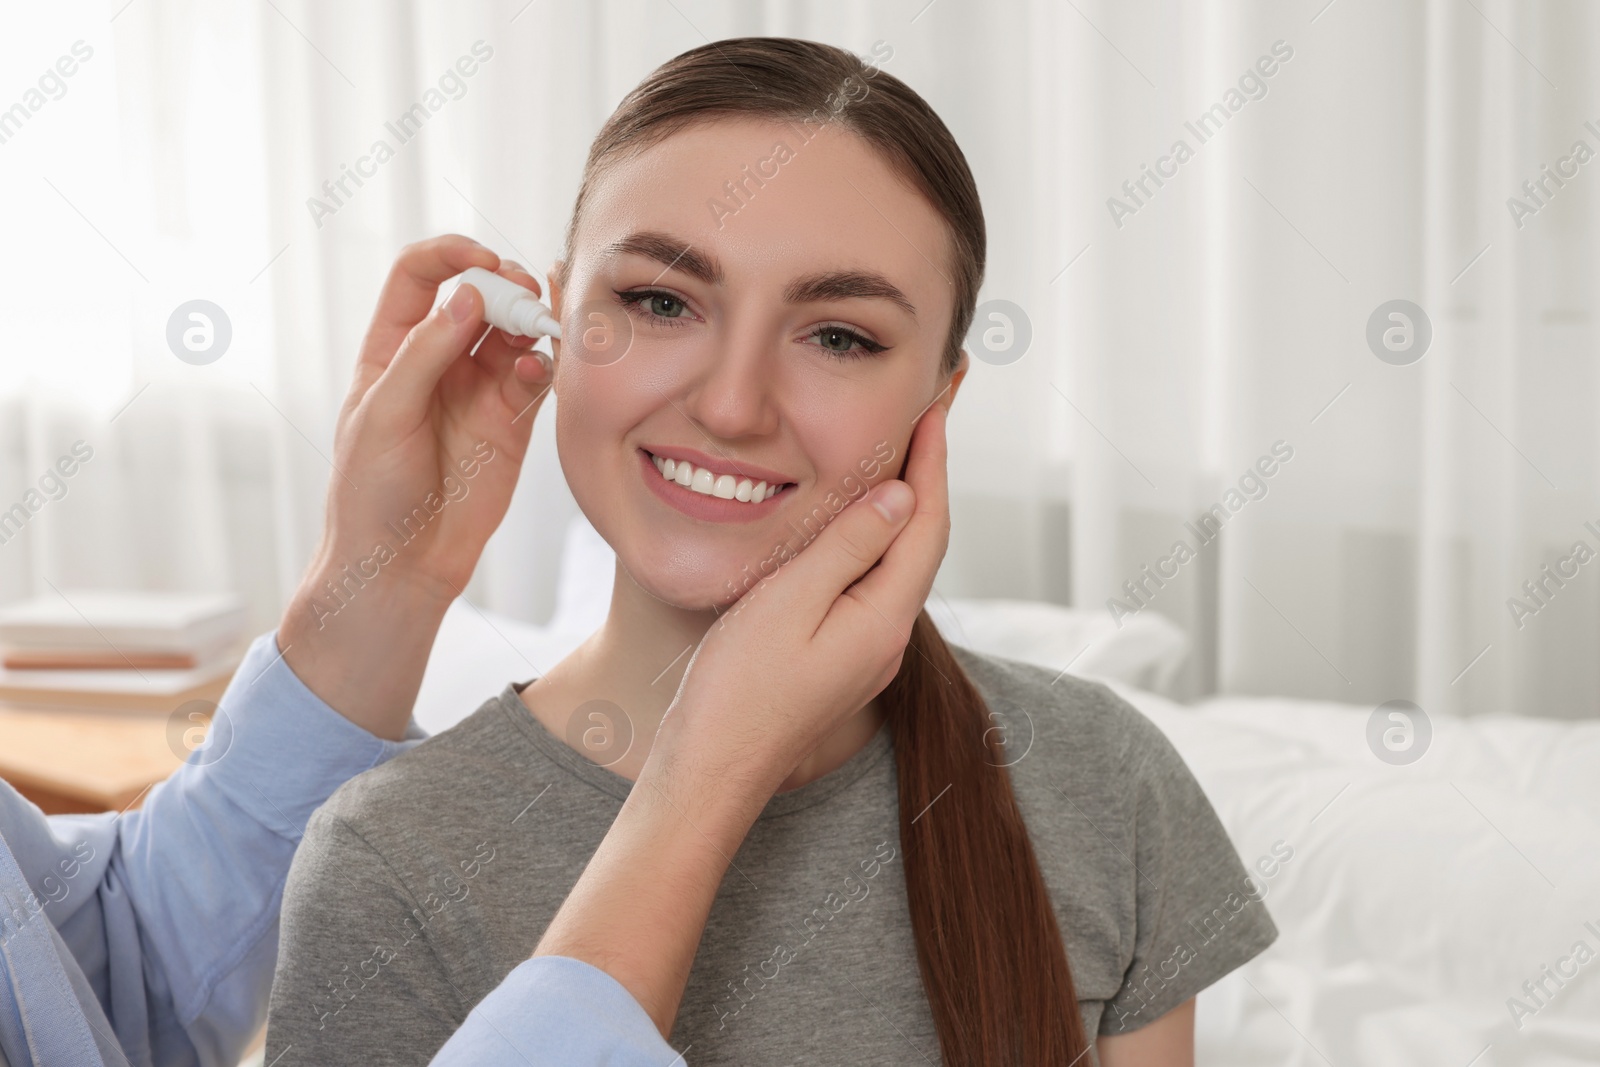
(893, 500)
(460, 303)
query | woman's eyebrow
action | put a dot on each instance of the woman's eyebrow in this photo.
(843, 284)
(674, 253)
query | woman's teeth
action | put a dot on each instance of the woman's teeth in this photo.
(703, 481)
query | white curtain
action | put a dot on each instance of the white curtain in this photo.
(1230, 312)
(1178, 336)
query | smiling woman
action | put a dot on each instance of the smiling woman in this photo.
(828, 721)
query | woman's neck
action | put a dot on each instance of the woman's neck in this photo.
(635, 661)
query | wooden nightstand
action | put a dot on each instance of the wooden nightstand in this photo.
(84, 761)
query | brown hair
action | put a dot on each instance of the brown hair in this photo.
(991, 954)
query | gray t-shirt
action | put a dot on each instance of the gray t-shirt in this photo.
(422, 883)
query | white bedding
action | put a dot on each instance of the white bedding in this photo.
(1418, 900)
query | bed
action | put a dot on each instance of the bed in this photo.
(1419, 898)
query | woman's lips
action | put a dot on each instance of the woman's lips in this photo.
(699, 505)
(718, 464)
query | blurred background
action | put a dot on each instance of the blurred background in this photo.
(1174, 338)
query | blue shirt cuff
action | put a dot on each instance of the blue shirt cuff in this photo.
(277, 749)
(558, 1010)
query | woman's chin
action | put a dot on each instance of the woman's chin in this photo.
(707, 590)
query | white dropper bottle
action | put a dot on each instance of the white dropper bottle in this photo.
(509, 306)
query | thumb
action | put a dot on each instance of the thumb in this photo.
(430, 348)
(851, 544)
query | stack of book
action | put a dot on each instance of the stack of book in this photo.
(122, 651)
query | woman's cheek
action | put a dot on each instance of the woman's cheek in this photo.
(582, 433)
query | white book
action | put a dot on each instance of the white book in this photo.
(150, 690)
(129, 622)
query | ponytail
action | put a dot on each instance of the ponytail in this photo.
(992, 959)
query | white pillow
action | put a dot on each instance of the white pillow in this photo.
(1145, 651)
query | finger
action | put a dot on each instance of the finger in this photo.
(429, 349)
(499, 351)
(899, 586)
(531, 385)
(510, 268)
(520, 373)
(413, 285)
(845, 550)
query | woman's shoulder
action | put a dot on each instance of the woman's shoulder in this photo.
(1083, 760)
(375, 905)
(1066, 718)
(1150, 891)
(423, 787)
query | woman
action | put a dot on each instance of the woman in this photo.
(766, 796)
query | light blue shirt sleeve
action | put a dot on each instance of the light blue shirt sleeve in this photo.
(555, 1010)
(150, 936)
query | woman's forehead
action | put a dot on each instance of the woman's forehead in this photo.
(766, 203)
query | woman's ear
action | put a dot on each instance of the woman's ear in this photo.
(558, 271)
(956, 377)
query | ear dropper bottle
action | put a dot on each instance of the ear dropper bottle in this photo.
(509, 306)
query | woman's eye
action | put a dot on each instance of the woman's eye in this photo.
(668, 307)
(653, 304)
(838, 341)
(835, 339)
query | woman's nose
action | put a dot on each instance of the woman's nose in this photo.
(732, 398)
